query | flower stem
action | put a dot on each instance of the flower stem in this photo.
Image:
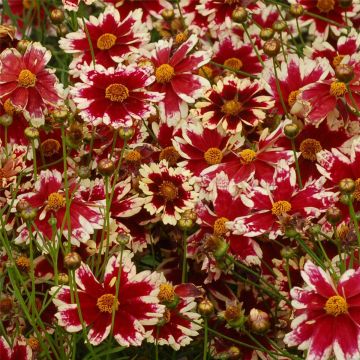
(34, 157)
(278, 88)
(205, 338)
(297, 167)
(184, 262)
(356, 224)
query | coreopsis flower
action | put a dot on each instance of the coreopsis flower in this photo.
(193, 19)
(114, 96)
(273, 204)
(180, 323)
(49, 200)
(136, 303)
(168, 191)
(237, 55)
(73, 5)
(19, 351)
(327, 319)
(233, 102)
(325, 9)
(174, 76)
(26, 85)
(112, 38)
(258, 161)
(292, 76)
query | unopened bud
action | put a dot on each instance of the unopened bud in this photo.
(72, 261)
(258, 321)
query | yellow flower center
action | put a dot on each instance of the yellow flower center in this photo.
(292, 97)
(219, 226)
(232, 2)
(247, 156)
(50, 147)
(233, 312)
(213, 156)
(342, 231)
(336, 305)
(168, 191)
(356, 193)
(56, 201)
(26, 78)
(9, 107)
(34, 343)
(309, 148)
(133, 156)
(166, 293)
(170, 155)
(106, 41)
(117, 92)
(23, 263)
(337, 88)
(337, 60)
(233, 63)
(181, 37)
(28, 4)
(231, 107)
(206, 72)
(164, 73)
(325, 5)
(280, 207)
(107, 302)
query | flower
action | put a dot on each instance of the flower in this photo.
(174, 77)
(232, 102)
(27, 85)
(49, 200)
(136, 304)
(19, 351)
(112, 39)
(114, 96)
(327, 318)
(168, 191)
(73, 5)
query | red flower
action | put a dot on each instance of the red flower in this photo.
(114, 96)
(19, 351)
(327, 314)
(136, 305)
(27, 85)
(174, 77)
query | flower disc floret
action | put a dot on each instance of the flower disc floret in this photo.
(56, 201)
(220, 226)
(107, 303)
(337, 88)
(309, 148)
(117, 92)
(233, 63)
(106, 41)
(280, 207)
(168, 191)
(292, 97)
(166, 293)
(231, 107)
(336, 305)
(325, 5)
(26, 78)
(213, 156)
(247, 156)
(164, 73)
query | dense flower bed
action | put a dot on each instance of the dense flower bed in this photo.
(180, 179)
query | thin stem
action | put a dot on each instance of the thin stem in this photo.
(184, 263)
(205, 338)
(278, 88)
(297, 167)
(356, 224)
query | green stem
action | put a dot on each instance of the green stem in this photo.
(356, 224)
(297, 167)
(205, 338)
(278, 88)
(253, 45)
(184, 263)
(34, 158)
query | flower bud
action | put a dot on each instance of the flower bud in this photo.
(72, 261)
(315, 229)
(63, 279)
(333, 215)
(344, 73)
(22, 45)
(234, 353)
(126, 133)
(217, 245)
(272, 47)
(347, 186)
(23, 263)
(52, 221)
(234, 315)
(123, 239)
(31, 133)
(291, 130)
(345, 3)
(90, 247)
(258, 321)
(6, 305)
(6, 120)
(168, 14)
(34, 344)
(106, 167)
(296, 10)
(83, 172)
(57, 16)
(291, 233)
(279, 25)
(239, 15)
(22, 205)
(266, 34)
(206, 308)
(287, 252)
(60, 114)
(28, 214)
(62, 30)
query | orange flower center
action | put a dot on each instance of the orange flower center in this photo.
(280, 207)
(107, 303)
(26, 78)
(106, 41)
(247, 156)
(28, 4)
(231, 107)
(336, 305)
(337, 60)
(309, 148)
(213, 156)
(34, 343)
(9, 107)
(206, 71)
(342, 231)
(117, 92)
(219, 226)
(170, 155)
(325, 5)
(337, 88)
(50, 147)
(56, 201)
(133, 156)
(233, 63)
(168, 191)
(164, 73)
(232, 312)
(232, 2)
(166, 293)
(356, 193)
(292, 97)
(23, 263)
(181, 37)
